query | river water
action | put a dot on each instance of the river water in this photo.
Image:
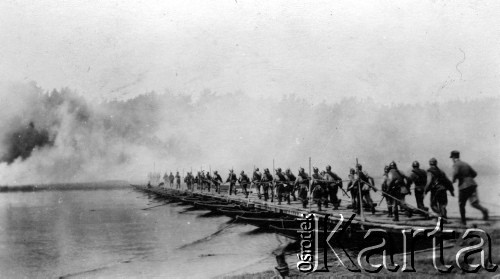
(105, 233)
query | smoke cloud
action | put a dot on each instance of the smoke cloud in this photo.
(73, 139)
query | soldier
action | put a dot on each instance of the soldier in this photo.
(232, 182)
(217, 180)
(280, 181)
(256, 178)
(189, 181)
(267, 180)
(467, 186)
(397, 187)
(318, 188)
(333, 182)
(353, 188)
(438, 183)
(177, 181)
(290, 178)
(171, 178)
(303, 183)
(202, 180)
(244, 181)
(418, 177)
(165, 178)
(366, 184)
(208, 180)
(385, 191)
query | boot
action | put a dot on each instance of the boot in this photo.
(390, 212)
(486, 215)
(396, 214)
(373, 209)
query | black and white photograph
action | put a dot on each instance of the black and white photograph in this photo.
(249, 139)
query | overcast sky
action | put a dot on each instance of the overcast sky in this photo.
(393, 51)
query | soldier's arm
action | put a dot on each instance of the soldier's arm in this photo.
(473, 172)
(428, 184)
(456, 171)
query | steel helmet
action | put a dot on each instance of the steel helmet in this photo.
(359, 166)
(393, 165)
(328, 168)
(415, 164)
(433, 162)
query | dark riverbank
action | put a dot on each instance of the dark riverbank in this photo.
(111, 184)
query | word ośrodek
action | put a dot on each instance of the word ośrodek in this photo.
(310, 244)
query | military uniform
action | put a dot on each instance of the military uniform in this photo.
(217, 180)
(291, 183)
(280, 181)
(467, 186)
(171, 179)
(333, 182)
(319, 193)
(232, 182)
(385, 191)
(303, 183)
(256, 178)
(244, 181)
(208, 181)
(177, 180)
(418, 177)
(189, 181)
(266, 181)
(397, 188)
(438, 183)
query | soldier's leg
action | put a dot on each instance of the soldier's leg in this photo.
(265, 190)
(474, 202)
(325, 197)
(419, 198)
(390, 205)
(395, 209)
(279, 191)
(463, 196)
(287, 193)
(271, 187)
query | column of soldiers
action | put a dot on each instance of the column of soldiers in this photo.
(323, 187)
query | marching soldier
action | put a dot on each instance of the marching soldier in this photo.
(290, 178)
(177, 181)
(232, 182)
(353, 188)
(467, 186)
(385, 191)
(438, 183)
(208, 181)
(303, 183)
(397, 187)
(418, 177)
(280, 181)
(202, 180)
(244, 181)
(217, 180)
(333, 182)
(171, 179)
(165, 178)
(256, 178)
(267, 180)
(189, 181)
(366, 184)
(318, 188)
